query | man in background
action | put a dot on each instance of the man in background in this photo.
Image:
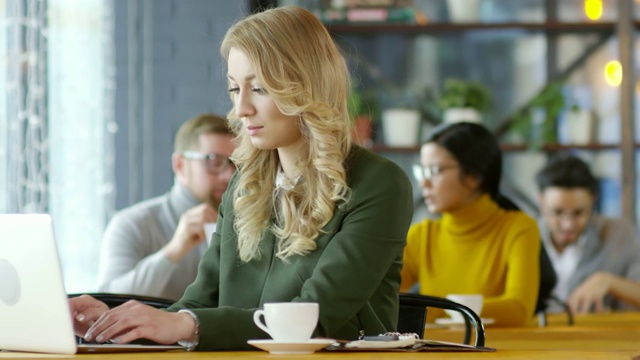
(596, 259)
(153, 248)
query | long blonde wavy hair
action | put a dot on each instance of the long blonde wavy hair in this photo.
(297, 63)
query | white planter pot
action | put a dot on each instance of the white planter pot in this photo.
(464, 10)
(580, 127)
(455, 115)
(401, 127)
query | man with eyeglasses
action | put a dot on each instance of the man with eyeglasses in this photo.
(596, 259)
(153, 248)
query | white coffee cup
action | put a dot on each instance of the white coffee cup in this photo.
(209, 229)
(288, 321)
(472, 301)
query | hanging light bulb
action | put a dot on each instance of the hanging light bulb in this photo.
(593, 9)
(613, 73)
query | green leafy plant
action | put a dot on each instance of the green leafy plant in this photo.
(354, 104)
(458, 93)
(362, 103)
(536, 123)
(363, 111)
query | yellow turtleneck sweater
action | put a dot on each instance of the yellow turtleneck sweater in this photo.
(479, 249)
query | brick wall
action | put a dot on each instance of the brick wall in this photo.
(168, 70)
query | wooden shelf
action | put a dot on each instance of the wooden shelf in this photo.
(382, 148)
(624, 27)
(506, 148)
(558, 147)
(438, 28)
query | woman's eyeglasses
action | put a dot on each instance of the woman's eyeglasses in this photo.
(214, 163)
(422, 173)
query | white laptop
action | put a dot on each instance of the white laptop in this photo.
(34, 309)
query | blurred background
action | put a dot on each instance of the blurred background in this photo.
(92, 92)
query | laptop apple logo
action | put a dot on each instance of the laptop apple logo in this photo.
(9, 283)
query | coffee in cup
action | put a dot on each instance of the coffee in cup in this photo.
(288, 321)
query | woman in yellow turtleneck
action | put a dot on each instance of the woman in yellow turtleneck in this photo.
(482, 244)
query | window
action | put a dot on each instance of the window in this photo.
(59, 127)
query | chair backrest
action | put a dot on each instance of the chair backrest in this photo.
(411, 318)
(413, 312)
(548, 280)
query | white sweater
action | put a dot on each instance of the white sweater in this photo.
(131, 261)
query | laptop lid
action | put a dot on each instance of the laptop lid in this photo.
(33, 303)
(34, 308)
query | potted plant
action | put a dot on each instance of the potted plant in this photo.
(463, 101)
(579, 126)
(536, 123)
(363, 110)
(401, 119)
(577, 122)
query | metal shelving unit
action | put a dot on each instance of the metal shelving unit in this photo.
(624, 28)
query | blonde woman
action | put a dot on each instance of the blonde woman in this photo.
(308, 216)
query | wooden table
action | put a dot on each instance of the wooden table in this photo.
(506, 354)
(603, 336)
(596, 333)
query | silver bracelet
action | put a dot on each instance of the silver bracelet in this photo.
(195, 340)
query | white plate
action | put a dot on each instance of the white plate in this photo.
(278, 347)
(450, 321)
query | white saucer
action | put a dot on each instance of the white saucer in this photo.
(279, 347)
(450, 321)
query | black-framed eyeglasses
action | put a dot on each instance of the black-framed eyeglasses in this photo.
(422, 173)
(215, 164)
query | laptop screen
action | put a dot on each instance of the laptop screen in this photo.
(33, 302)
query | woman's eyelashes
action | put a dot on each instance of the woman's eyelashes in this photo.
(255, 89)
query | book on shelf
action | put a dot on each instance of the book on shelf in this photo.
(367, 11)
(368, 15)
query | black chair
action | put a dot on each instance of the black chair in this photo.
(548, 280)
(413, 313)
(113, 300)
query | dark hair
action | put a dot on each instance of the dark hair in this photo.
(478, 153)
(567, 171)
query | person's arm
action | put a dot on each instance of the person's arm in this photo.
(589, 296)
(622, 238)
(363, 255)
(412, 252)
(133, 320)
(625, 289)
(190, 232)
(516, 305)
(126, 266)
(630, 294)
